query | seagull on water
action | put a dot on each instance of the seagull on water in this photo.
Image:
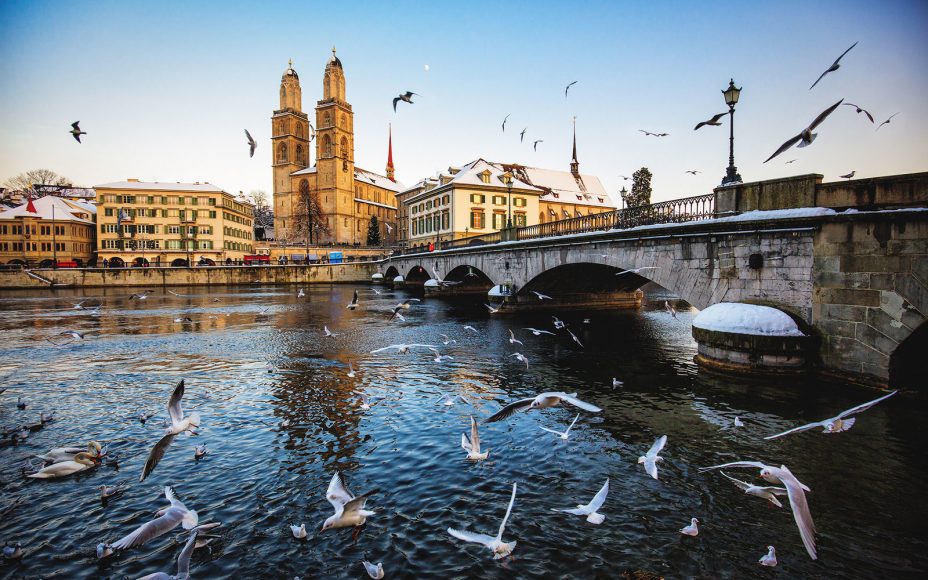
(440, 357)
(521, 358)
(670, 309)
(834, 66)
(328, 332)
(616, 383)
(795, 491)
(806, 136)
(104, 550)
(513, 339)
(351, 372)
(540, 401)
(541, 296)
(349, 509)
(692, 529)
(13, 551)
(402, 348)
(200, 451)
(108, 491)
(299, 532)
(300, 293)
(496, 544)
(566, 433)
(770, 558)
(739, 422)
(837, 424)
(768, 493)
(445, 340)
(375, 572)
(168, 519)
(590, 510)
(651, 458)
(537, 332)
(472, 445)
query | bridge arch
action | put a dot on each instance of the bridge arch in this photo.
(907, 362)
(391, 273)
(417, 275)
(583, 277)
(468, 275)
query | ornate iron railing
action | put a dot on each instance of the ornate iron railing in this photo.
(675, 211)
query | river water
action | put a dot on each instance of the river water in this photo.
(258, 357)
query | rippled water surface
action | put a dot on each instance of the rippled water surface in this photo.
(258, 357)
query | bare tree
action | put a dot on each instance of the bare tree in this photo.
(308, 218)
(27, 181)
(264, 213)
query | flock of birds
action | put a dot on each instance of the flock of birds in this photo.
(351, 510)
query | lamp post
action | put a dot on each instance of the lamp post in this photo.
(506, 178)
(731, 99)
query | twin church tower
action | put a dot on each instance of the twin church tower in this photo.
(349, 196)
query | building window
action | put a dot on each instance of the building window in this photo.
(327, 145)
(327, 120)
(477, 219)
(485, 176)
(428, 205)
(499, 200)
(499, 220)
(299, 154)
(518, 201)
(518, 220)
(477, 198)
(344, 148)
(445, 219)
(282, 153)
(299, 130)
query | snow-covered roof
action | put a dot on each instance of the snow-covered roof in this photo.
(305, 171)
(380, 181)
(159, 186)
(63, 211)
(470, 174)
(746, 319)
(369, 202)
(83, 206)
(577, 189)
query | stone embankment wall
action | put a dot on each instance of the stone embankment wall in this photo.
(205, 276)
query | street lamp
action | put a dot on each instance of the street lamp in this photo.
(507, 179)
(731, 99)
(624, 194)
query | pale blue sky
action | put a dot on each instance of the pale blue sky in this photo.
(165, 89)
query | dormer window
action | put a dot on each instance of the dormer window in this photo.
(600, 199)
(485, 176)
(579, 198)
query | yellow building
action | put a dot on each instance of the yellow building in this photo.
(348, 195)
(39, 232)
(169, 224)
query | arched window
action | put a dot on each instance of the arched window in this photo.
(327, 146)
(299, 154)
(541, 217)
(299, 130)
(327, 120)
(281, 152)
(344, 148)
(283, 126)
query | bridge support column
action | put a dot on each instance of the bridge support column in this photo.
(576, 301)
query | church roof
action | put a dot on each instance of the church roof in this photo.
(305, 171)
(381, 181)
(63, 211)
(334, 60)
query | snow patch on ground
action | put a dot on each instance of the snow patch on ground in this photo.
(432, 283)
(746, 319)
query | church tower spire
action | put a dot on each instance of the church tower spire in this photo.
(574, 164)
(289, 149)
(390, 156)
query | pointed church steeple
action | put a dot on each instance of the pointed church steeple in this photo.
(574, 164)
(390, 156)
(30, 207)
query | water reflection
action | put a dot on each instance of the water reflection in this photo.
(258, 358)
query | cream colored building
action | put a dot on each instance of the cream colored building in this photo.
(169, 224)
(38, 232)
(348, 195)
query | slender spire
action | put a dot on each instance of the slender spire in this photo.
(30, 207)
(390, 156)
(574, 164)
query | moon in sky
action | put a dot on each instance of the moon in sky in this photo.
(426, 68)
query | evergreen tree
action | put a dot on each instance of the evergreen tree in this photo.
(641, 189)
(373, 232)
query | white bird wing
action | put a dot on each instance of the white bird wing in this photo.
(743, 485)
(465, 443)
(183, 561)
(571, 426)
(391, 347)
(657, 446)
(372, 570)
(474, 435)
(337, 493)
(551, 431)
(650, 466)
(599, 499)
(502, 526)
(156, 454)
(573, 400)
(798, 429)
(174, 408)
(472, 537)
(800, 507)
(357, 503)
(756, 464)
(150, 530)
(863, 407)
(510, 409)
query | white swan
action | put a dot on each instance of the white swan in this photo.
(81, 462)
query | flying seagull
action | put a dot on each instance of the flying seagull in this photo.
(499, 548)
(521, 358)
(768, 493)
(806, 136)
(791, 161)
(568, 88)
(541, 296)
(538, 332)
(349, 509)
(179, 424)
(848, 175)
(535, 144)
(692, 172)
(540, 401)
(625, 177)
(504, 122)
(406, 98)
(168, 519)
(651, 458)
(252, 145)
(522, 135)
(402, 348)
(648, 133)
(886, 122)
(860, 110)
(472, 445)
(795, 492)
(565, 434)
(574, 337)
(354, 301)
(670, 309)
(183, 561)
(491, 309)
(835, 66)
(328, 332)
(76, 131)
(714, 121)
(840, 422)
(589, 510)
(513, 339)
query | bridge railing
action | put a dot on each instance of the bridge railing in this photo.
(674, 211)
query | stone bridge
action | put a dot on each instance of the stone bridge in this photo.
(855, 280)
